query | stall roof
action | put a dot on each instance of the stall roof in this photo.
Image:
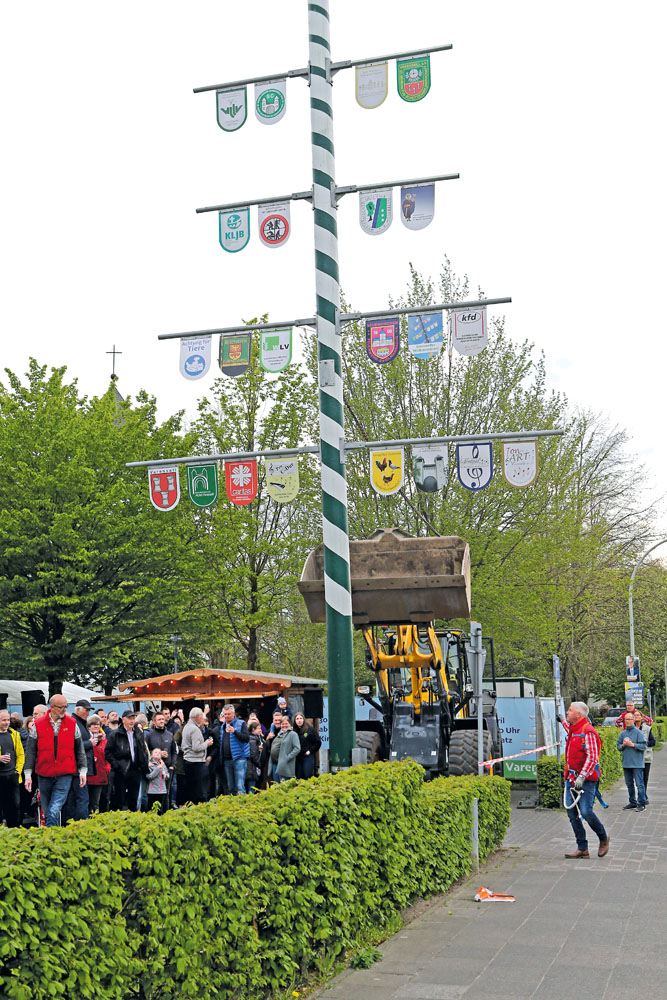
(207, 683)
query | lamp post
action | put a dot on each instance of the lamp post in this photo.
(175, 639)
(632, 580)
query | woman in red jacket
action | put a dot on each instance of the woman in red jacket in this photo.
(98, 783)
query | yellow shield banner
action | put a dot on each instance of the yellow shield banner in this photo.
(282, 479)
(387, 470)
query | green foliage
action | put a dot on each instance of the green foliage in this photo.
(659, 728)
(88, 569)
(550, 564)
(610, 759)
(549, 775)
(242, 894)
(550, 782)
(254, 554)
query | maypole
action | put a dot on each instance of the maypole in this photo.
(337, 588)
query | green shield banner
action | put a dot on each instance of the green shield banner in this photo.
(413, 77)
(203, 484)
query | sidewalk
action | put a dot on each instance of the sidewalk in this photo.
(591, 928)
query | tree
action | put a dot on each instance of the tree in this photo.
(544, 560)
(254, 554)
(88, 569)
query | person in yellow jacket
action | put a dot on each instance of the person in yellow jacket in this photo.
(12, 757)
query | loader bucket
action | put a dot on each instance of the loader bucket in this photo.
(397, 579)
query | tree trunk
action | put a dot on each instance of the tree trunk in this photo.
(252, 632)
(55, 685)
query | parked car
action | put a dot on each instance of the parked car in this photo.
(611, 716)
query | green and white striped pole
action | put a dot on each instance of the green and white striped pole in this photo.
(337, 590)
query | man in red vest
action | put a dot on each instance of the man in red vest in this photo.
(582, 774)
(54, 750)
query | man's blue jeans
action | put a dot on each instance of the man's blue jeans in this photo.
(235, 771)
(78, 804)
(634, 775)
(587, 813)
(53, 794)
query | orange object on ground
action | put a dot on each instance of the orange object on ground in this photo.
(486, 896)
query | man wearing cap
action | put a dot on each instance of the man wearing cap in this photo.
(78, 805)
(55, 753)
(127, 754)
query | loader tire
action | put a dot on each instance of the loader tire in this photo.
(463, 751)
(371, 742)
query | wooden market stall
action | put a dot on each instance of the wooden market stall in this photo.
(253, 690)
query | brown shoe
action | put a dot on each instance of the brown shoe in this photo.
(603, 848)
(578, 854)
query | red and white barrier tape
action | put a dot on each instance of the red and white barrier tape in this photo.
(513, 756)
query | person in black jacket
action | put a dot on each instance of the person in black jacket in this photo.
(77, 805)
(158, 737)
(127, 754)
(310, 744)
(256, 760)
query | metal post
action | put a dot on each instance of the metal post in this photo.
(556, 670)
(337, 588)
(475, 835)
(478, 654)
(632, 580)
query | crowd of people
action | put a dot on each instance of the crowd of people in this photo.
(55, 767)
(582, 770)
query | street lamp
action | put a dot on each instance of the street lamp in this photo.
(175, 639)
(632, 580)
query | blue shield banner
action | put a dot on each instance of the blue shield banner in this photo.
(425, 335)
(474, 464)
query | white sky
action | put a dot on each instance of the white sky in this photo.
(552, 113)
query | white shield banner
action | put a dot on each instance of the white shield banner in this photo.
(469, 331)
(232, 106)
(417, 205)
(195, 357)
(375, 211)
(474, 464)
(274, 224)
(270, 101)
(520, 462)
(275, 349)
(371, 84)
(429, 465)
(234, 229)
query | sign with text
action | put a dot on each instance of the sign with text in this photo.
(517, 724)
(635, 692)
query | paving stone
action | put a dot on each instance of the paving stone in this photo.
(527, 950)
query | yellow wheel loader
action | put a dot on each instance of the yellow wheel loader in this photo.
(424, 693)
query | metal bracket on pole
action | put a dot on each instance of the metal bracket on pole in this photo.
(327, 69)
(327, 373)
(294, 196)
(222, 330)
(351, 188)
(343, 454)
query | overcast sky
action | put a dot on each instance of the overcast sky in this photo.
(552, 113)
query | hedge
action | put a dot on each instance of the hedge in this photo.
(549, 782)
(237, 897)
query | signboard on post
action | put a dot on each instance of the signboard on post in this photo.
(635, 693)
(632, 675)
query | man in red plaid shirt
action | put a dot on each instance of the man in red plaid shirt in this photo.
(582, 773)
(630, 707)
